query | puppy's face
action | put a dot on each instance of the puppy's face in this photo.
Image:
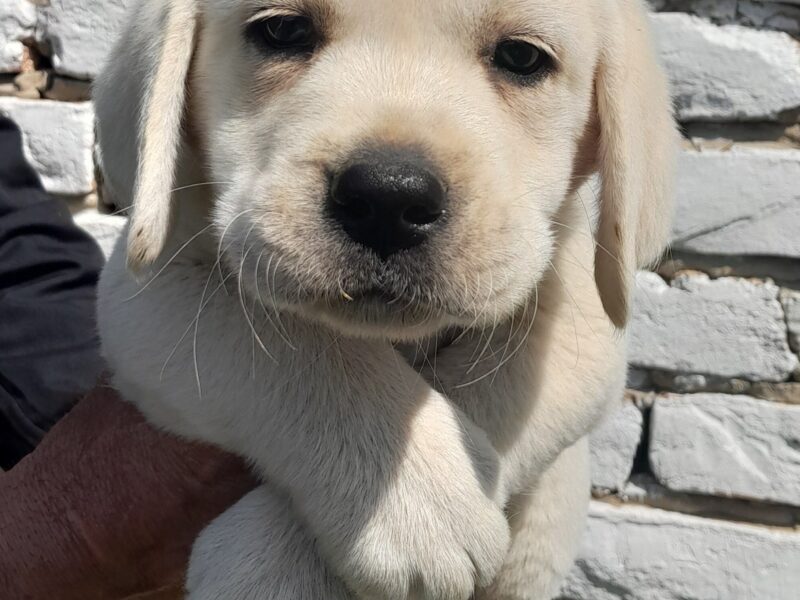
(393, 167)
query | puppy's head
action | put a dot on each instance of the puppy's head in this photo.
(395, 167)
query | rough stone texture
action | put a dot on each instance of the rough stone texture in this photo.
(105, 229)
(17, 23)
(644, 489)
(758, 13)
(791, 306)
(783, 271)
(726, 327)
(58, 139)
(786, 393)
(728, 72)
(771, 15)
(68, 90)
(80, 33)
(745, 201)
(691, 383)
(636, 553)
(723, 445)
(613, 447)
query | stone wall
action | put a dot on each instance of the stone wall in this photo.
(697, 477)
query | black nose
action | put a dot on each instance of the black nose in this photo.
(387, 204)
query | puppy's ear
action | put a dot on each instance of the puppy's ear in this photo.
(637, 148)
(140, 100)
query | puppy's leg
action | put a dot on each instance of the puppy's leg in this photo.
(401, 491)
(258, 550)
(547, 524)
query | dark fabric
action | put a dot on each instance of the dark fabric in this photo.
(49, 350)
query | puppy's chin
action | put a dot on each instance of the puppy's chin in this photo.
(375, 317)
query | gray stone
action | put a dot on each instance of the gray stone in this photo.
(68, 90)
(786, 393)
(644, 489)
(763, 14)
(17, 23)
(638, 379)
(732, 446)
(80, 33)
(692, 383)
(728, 72)
(791, 305)
(783, 271)
(637, 553)
(613, 447)
(721, 11)
(58, 141)
(771, 15)
(745, 201)
(105, 229)
(35, 82)
(727, 327)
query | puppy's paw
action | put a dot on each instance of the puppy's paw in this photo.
(256, 550)
(432, 556)
(439, 531)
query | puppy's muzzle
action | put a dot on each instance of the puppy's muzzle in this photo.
(388, 201)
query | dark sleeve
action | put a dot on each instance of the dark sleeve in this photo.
(49, 350)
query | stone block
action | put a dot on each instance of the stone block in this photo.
(637, 553)
(745, 201)
(81, 33)
(613, 448)
(731, 446)
(17, 23)
(58, 141)
(728, 327)
(728, 72)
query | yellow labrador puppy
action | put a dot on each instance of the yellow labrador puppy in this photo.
(362, 254)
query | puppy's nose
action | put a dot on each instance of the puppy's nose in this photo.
(387, 204)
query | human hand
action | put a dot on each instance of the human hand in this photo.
(108, 507)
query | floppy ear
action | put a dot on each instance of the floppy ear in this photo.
(140, 100)
(638, 142)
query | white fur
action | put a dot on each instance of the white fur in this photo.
(434, 449)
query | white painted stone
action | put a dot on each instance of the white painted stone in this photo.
(613, 447)
(733, 446)
(58, 140)
(727, 327)
(745, 201)
(105, 229)
(81, 33)
(791, 307)
(728, 72)
(637, 553)
(17, 22)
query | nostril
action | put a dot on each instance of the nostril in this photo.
(420, 215)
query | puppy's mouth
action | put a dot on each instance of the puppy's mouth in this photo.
(378, 310)
(372, 295)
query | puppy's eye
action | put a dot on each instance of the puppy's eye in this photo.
(520, 58)
(287, 32)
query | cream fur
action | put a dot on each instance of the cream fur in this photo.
(433, 447)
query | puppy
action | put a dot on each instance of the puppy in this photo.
(363, 254)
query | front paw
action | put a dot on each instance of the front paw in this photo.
(431, 548)
(438, 532)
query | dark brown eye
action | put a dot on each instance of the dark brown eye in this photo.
(287, 32)
(520, 58)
